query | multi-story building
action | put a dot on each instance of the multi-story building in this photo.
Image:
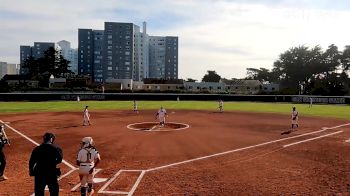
(90, 55)
(163, 57)
(6, 68)
(121, 51)
(36, 51)
(69, 54)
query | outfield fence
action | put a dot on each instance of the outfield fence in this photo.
(34, 97)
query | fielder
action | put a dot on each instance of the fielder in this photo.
(161, 116)
(86, 116)
(295, 118)
(221, 106)
(135, 107)
(88, 158)
(310, 105)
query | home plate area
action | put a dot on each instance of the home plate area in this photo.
(123, 182)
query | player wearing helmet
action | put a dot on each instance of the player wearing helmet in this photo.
(88, 158)
(42, 165)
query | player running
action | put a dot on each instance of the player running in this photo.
(87, 160)
(161, 116)
(295, 118)
(86, 116)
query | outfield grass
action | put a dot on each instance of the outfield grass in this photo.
(335, 111)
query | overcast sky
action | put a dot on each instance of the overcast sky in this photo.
(227, 36)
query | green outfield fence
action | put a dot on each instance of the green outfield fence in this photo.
(35, 97)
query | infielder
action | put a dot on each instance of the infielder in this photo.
(3, 142)
(135, 107)
(310, 105)
(161, 116)
(221, 106)
(88, 158)
(86, 116)
(295, 118)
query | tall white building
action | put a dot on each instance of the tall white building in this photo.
(6, 68)
(163, 54)
(70, 54)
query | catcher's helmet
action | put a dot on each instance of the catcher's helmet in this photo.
(87, 141)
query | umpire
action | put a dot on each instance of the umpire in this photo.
(42, 165)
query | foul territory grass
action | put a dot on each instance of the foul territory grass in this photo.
(335, 111)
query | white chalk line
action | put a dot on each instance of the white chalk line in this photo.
(67, 174)
(133, 189)
(78, 185)
(103, 188)
(143, 172)
(314, 138)
(35, 143)
(244, 148)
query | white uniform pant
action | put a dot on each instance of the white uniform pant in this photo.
(162, 120)
(85, 176)
(295, 121)
(86, 119)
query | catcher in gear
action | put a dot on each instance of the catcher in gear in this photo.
(88, 158)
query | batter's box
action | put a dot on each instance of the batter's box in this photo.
(124, 182)
(96, 180)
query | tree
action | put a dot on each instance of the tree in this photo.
(298, 65)
(190, 80)
(52, 63)
(211, 76)
(262, 74)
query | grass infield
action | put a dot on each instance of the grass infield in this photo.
(335, 111)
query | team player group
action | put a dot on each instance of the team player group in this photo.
(44, 158)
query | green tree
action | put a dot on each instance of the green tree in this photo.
(190, 80)
(52, 63)
(211, 76)
(262, 74)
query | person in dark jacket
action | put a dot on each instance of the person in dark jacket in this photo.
(42, 165)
